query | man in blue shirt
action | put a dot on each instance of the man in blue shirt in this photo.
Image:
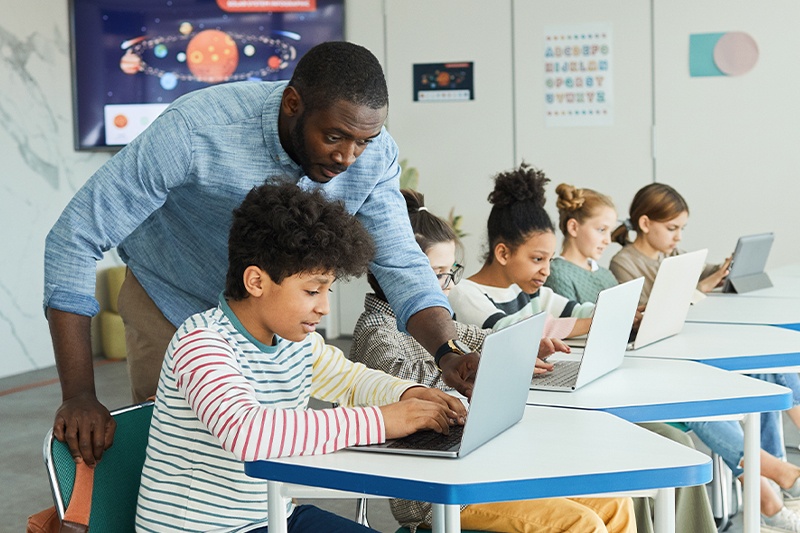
(165, 201)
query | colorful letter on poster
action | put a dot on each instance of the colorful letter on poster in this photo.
(578, 75)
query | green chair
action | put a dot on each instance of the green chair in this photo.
(116, 477)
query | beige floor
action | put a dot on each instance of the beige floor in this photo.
(27, 405)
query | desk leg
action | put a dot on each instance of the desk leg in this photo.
(665, 511)
(446, 518)
(276, 508)
(752, 473)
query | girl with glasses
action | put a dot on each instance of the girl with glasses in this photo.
(379, 344)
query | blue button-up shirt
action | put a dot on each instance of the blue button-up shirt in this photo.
(166, 200)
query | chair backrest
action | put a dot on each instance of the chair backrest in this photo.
(116, 477)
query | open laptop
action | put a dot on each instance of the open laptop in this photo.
(670, 298)
(498, 397)
(605, 343)
(747, 266)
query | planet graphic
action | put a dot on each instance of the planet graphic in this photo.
(120, 121)
(130, 63)
(168, 81)
(443, 78)
(212, 56)
(185, 28)
(274, 62)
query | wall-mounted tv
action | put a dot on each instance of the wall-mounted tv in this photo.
(132, 58)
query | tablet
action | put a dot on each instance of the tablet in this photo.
(748, 263)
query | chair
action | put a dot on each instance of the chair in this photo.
(116, 478)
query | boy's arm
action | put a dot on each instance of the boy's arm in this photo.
(209, 377)
(337, 379)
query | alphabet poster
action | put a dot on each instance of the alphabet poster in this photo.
(578, 81)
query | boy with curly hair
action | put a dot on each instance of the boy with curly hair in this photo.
(237, 378)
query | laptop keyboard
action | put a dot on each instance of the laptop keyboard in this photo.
(429, 440)
(562, 375)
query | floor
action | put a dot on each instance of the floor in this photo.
(27, 405)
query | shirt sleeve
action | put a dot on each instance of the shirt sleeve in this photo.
(402, 270)
(387, 349)
(472, 306)
(337, 379)
(210, 379)
(112, 203)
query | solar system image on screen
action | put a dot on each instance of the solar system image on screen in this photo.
(132, 59)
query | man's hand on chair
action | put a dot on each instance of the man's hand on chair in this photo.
(86, 426)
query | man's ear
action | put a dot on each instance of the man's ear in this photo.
(572, 227)
(291, 103)
(255, 281)
(644, 223)
(502, 253)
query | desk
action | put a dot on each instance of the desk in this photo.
(733, 309)
(741, 348)
(550, 453)
(650, 390)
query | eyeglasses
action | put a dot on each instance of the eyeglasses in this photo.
(454, 276)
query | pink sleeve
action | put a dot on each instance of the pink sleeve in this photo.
(558, 328)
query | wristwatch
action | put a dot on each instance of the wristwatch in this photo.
(451, 346)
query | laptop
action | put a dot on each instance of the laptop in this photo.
(747, 266)
(670, 298)
(498, 397)
(605, 343)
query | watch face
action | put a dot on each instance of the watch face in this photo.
(459, 347)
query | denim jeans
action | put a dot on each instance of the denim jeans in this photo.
(727, 438)
(310, 519)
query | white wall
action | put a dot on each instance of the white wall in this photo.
(728, 144)
(40, 170)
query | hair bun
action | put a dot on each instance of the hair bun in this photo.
(525, 184)
(569, 198)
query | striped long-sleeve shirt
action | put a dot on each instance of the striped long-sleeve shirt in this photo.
(224, 398)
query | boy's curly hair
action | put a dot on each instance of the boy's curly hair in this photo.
(285, 230)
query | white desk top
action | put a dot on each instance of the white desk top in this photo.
(786, 270)
(649, 390)
(729, 346)
(783, 286)
(550, 453)
(733, 309)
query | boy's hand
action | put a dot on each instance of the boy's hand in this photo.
(413, 414)
(437, 396)
(458, 371)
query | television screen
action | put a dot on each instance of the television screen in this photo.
(133, 58)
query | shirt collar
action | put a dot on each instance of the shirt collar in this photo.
(272, 140)
(239, 327)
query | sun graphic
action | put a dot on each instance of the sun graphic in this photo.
(212, 56)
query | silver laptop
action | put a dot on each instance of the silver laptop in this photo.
(498, 397)
(605, 343)
(749, 260)
(670, 298)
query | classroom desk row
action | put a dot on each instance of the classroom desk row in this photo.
(569, 444)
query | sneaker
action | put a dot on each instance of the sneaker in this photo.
(783, 521)
(793, 492)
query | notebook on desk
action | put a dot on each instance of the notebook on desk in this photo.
(746, 272)
(670, 298)
(605, 343)
(498, 397)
